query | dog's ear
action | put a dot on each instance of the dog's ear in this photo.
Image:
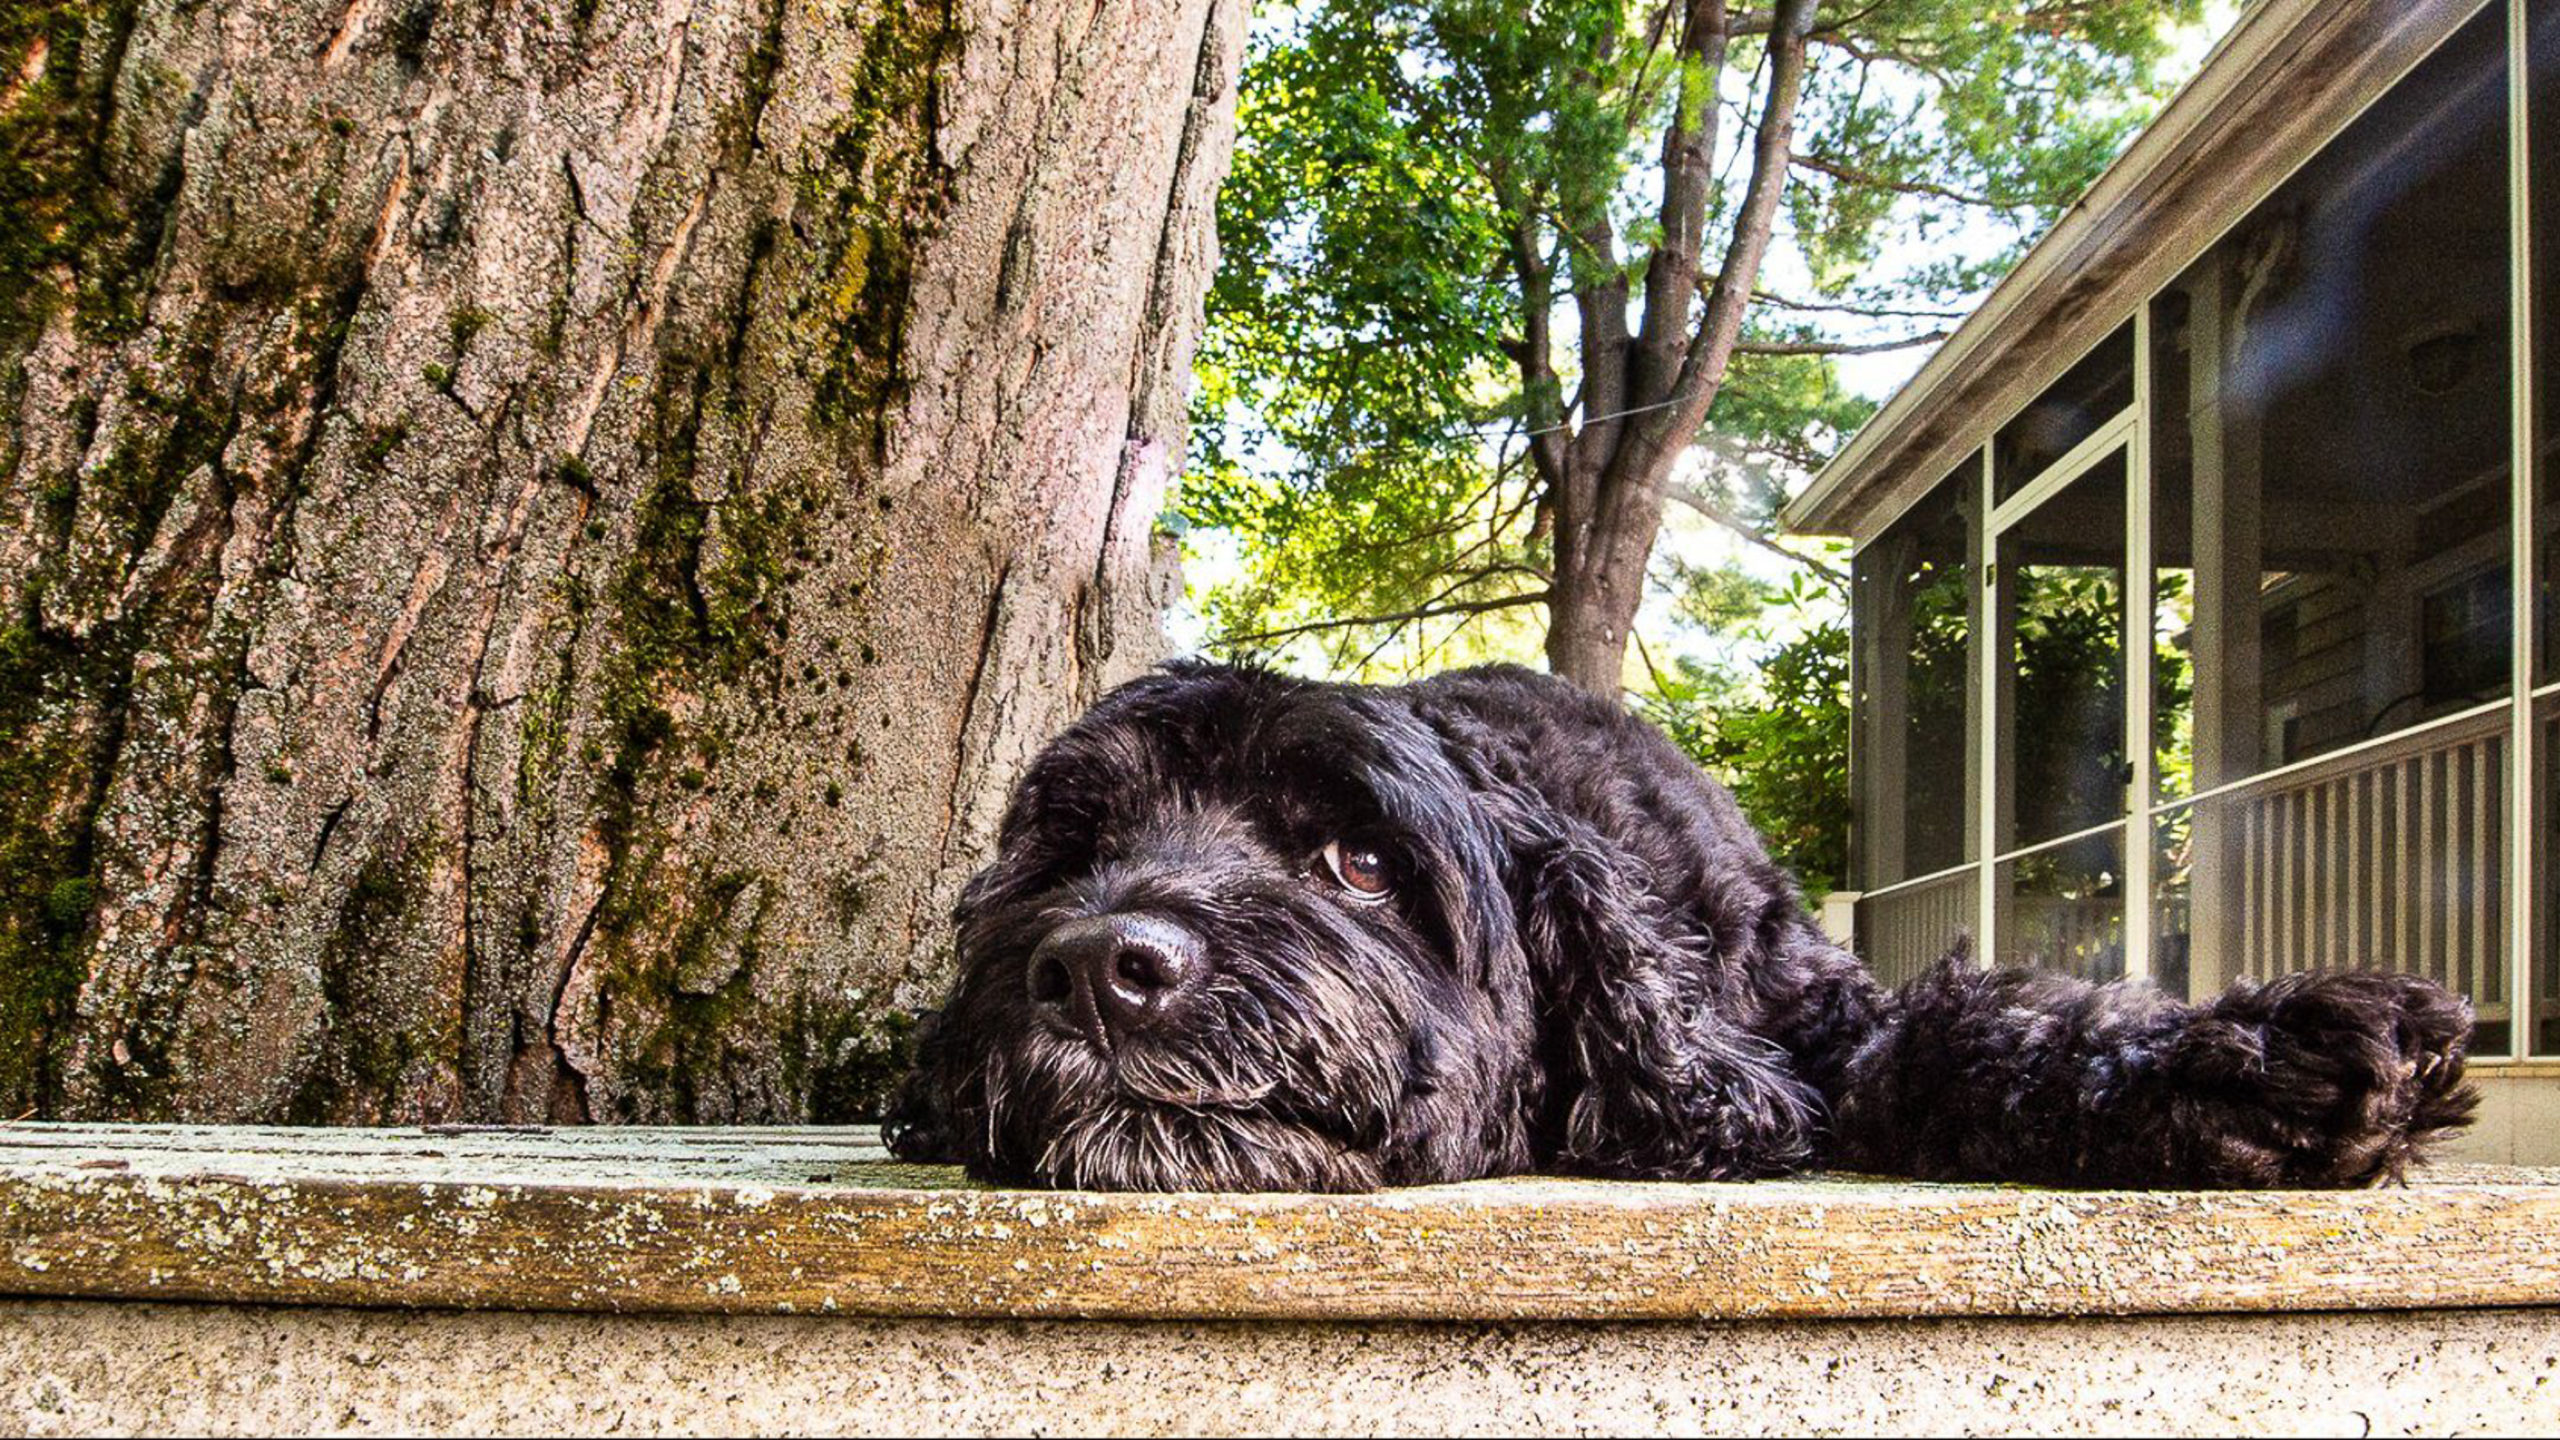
(1646, 1077)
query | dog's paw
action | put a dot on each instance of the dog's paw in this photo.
(2322, 1080)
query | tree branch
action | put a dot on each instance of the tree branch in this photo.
(1688, 164)
(1422, 612)
(1644, 652)
(1761, 22)
(1837, 38)
(1600, 301)
(1535, 356)
(1870, 312)
(1432, 609)
(1851, 175)
(1829, 347)
(1641, 91)
(1711, 351)
(1696, 499)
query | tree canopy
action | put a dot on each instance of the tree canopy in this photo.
(1503, 282)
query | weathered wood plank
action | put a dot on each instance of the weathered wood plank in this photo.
(821, 1221)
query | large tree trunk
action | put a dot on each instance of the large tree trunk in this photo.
(533, 536)
(1605, 529)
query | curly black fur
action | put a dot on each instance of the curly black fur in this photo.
(1587, 964)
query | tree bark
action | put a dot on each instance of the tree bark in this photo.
(533, 538)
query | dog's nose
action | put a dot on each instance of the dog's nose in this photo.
(1112, 976)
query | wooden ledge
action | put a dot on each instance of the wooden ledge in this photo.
(806, 1221)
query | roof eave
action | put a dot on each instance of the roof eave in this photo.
(2288, 75)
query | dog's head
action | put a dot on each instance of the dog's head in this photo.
(1248, 932)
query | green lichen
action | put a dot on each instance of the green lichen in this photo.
(666, 941)
(66, 703)
(465, 324)
(881, 180)
(764, 66)
(46, 890)
(64, 228)
(545, 733)
(379, 442)
(845, 1061)
(698, 611)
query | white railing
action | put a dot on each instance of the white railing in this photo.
(2393, 858)
(2083, 937)
(2390, 856)
(1903, 931)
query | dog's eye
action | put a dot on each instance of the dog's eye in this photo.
(1364, 873)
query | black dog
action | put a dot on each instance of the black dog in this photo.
(1249, 932)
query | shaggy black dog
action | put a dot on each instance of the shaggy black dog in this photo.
(1249, 932)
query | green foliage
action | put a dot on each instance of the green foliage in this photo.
(1410, 183)
(2068, 675)
(1355, 345)
(864, 202)
(1775, 730)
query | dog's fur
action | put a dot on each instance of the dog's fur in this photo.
(1589, 965)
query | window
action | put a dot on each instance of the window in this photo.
(2077, 406)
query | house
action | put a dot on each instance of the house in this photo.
(2204, 591)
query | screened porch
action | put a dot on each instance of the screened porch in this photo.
(2233, 651)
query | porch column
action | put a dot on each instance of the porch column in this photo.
(2224, 423)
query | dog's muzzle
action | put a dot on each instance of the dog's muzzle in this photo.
(1110, 977)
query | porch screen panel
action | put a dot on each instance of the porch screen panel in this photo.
(2061, 595)
(2337, 444)
(1915, 688)
(2062, 907)
(2176, 399)
(2332, 500)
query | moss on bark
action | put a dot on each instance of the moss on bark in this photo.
(487, 643)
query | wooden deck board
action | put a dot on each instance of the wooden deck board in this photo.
(764, 1221)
